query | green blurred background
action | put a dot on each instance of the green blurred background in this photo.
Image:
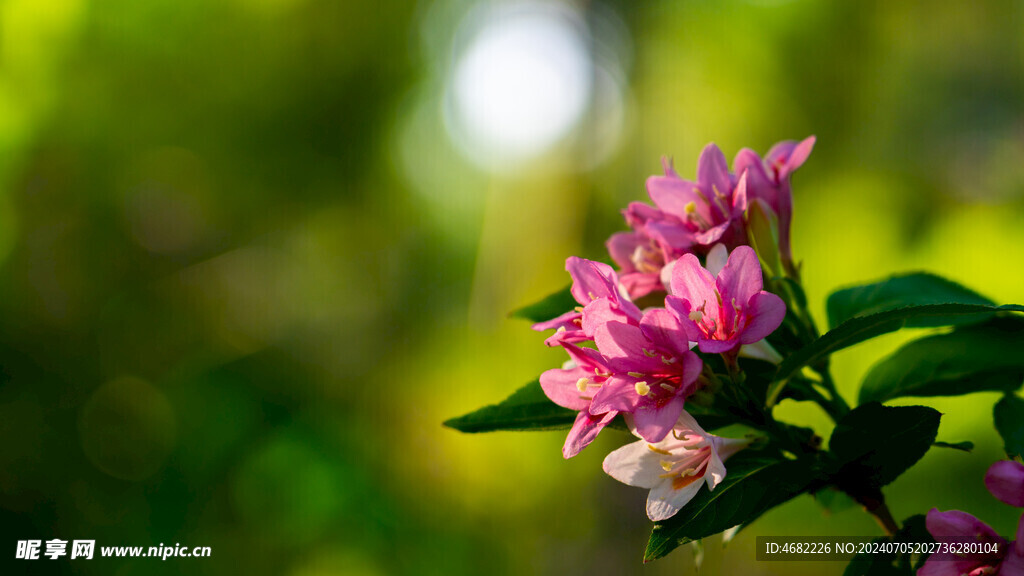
(254, 252)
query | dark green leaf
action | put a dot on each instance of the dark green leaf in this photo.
(527, 409)
(973, 359)
(552, 306)
(962, 446)
(753, 485)
(833, 500)
(861, 328)
(901, 291)
(1009, 420)
(874, 444)
(914, 531)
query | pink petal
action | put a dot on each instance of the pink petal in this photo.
(618, 394)
(635, 464)
(560, 386)
(946, 564)
(1013, 564)
(739, 197)
(621, 246)
(708, 346)
(765, 312)
(665, 331)
(957, 526)
(691, 282)
(639, 284)
(671, 194)
(1005, 480)
(653, 423)
(583, 432)
(799, 155)
(759, 185)
(671, 234)
(741, 277)
(682, 309)
(713, 234)
(713, 170)
(623, 345)
(565, 320)
(590, 280)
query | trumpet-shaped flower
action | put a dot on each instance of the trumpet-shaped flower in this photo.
(673, 469)
(726, 311)
(601, 296)
(704, 212)
(956, 527)
(651, 372)
(768, 181)
(1005, 480)
(573, 387)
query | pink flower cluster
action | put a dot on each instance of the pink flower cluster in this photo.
(1005, 480)
(641, 363)
(689, 217)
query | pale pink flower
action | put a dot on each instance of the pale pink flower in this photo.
(675, 468)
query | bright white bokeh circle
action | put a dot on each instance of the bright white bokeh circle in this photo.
(521, 81)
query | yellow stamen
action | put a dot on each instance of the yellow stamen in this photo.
(696, 316)
(690, 207)
(666, 465)
(668, 387)
(667, 360)
(649, 353)
(581, 384)
(636, 374)
(578, 308)
(657, 450)
(642, 388)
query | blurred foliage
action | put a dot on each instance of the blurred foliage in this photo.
(245, 273)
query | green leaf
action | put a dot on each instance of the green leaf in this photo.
(914, 531)
(874, 444)
(551, 306)
(752, 486)
(527, 409)
(834, 500)
(1009, 419)
(861, 328)
(900, 291)
(966, 446)
(973, 359)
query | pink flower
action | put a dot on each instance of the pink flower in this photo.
(572, 387)
(601, 296)
(704, 212)
(639, 255)
(673, 468)
(955, 526)
(1005, 480)
(726, 311)
(651, 372)
(768, 181)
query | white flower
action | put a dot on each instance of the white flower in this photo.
(673, 468)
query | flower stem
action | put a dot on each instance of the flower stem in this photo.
(874, 504)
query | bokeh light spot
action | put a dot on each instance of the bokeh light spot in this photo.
(127, 428)
(521, 82)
